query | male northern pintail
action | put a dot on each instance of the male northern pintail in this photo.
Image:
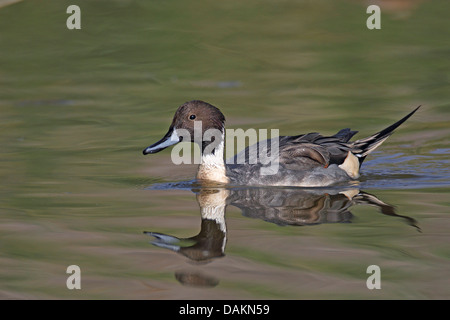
(307, 160)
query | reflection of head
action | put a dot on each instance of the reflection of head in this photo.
(207, 245)
(210, 242)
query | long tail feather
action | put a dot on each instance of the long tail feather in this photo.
(361, 148)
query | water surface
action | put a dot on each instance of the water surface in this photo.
(78, 106)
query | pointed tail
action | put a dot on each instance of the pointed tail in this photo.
(361, 148)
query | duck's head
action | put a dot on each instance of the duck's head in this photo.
(185, 117)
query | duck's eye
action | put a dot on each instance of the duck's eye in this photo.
(192, 116)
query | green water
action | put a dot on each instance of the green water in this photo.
(78, 106)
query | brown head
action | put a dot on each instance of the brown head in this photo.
(185, 118)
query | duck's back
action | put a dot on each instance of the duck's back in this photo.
(303, 160)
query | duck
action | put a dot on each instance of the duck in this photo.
(304, 160)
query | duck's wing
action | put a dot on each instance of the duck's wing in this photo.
(315, 149)
(300, 152)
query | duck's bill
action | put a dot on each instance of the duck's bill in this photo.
(168, 140)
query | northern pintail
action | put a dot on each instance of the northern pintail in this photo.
(306, 160)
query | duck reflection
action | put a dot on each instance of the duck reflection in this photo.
(301, 207)
(282, 206)
(211, 240)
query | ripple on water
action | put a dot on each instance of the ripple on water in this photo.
(390, 172)
(406, 171)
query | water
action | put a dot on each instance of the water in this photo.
(77, 108)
